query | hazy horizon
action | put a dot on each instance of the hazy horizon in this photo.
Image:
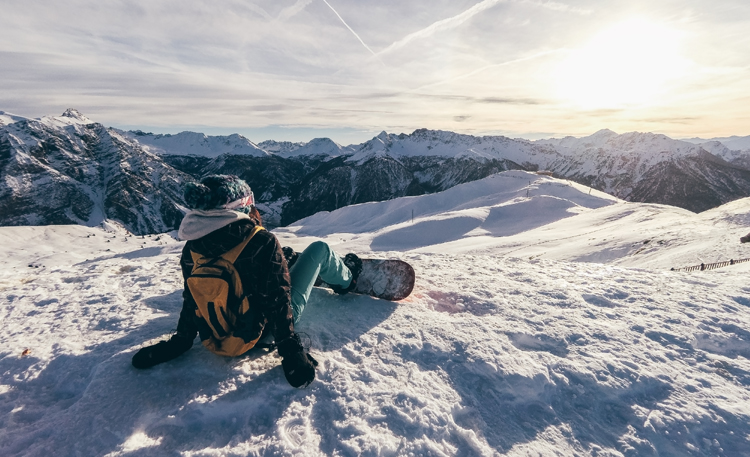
(344, 136)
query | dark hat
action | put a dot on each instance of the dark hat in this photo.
(218, 191)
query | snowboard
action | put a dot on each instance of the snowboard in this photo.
(387, 279)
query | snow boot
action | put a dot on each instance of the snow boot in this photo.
(354, 264)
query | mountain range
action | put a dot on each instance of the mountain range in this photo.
(69, 169)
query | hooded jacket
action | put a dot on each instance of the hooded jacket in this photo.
(264, 275)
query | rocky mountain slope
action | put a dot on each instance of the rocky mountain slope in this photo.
(69, 169)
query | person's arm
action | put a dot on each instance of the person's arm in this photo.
(181, 341)
(186, 326)
(274, 288)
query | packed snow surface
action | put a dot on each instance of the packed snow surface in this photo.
(536, 327)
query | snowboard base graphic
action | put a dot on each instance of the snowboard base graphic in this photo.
(387, 279)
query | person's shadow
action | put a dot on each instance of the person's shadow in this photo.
(96, 403)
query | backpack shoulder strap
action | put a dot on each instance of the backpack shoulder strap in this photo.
(231, 255)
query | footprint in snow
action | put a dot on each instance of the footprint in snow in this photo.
(543, 343)
(598, 301)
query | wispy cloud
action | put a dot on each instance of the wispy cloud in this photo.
(259, 11)
(495, 65)
(290, 11)
(350, 29)
(556, 6)
(483, 100)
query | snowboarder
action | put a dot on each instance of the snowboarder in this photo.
(237, 286)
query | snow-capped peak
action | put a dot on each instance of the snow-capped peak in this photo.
(604, 133)
(73, 113)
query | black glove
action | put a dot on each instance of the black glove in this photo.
(299, 367)
(161, 352)
(290, 256)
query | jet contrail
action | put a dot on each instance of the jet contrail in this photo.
(350, 29)
(455, 21)
(443, 24)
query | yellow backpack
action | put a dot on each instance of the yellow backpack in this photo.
(217, 290)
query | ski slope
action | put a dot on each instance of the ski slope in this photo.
(536, 327)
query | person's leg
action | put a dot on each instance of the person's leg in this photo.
(317, 260)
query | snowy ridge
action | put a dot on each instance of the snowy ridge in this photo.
(192, 143)
(492, 355)
(315, 147)
(645, 148)
(734, 143)
(201, 145)
(437, 143)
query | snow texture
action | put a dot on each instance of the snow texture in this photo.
(544, 321)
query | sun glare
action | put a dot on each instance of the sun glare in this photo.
(628, 64)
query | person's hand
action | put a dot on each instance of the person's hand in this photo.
(161, 352)
(299, 366)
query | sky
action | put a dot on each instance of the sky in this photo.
(299, 69)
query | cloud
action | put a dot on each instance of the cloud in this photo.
(482, 100)
(671, 120)
(258, 10)
(494, 65)
(556, 6)
(293, 10)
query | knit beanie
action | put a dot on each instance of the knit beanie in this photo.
(219, 191)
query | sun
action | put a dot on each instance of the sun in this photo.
(626, 65)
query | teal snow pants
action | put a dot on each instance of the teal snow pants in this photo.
(317, 260)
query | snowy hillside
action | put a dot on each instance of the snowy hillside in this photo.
(526, 215)
(497, 352)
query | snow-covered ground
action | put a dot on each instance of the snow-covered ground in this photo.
(545, 321)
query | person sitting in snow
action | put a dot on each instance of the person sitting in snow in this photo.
(223, 231)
